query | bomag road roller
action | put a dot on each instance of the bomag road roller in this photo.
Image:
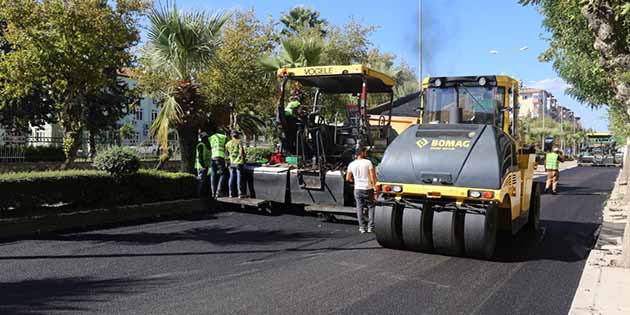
(459, 176)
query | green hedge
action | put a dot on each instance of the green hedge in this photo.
(89, 189)
(37, 154)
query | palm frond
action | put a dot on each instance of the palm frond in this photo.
(269, 63)
(170, 113)
(183, 43)
(250, 123)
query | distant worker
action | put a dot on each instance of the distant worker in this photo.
(552, 167)
(236, 153)
(361, 171)
(202, 164)
(291, 117)
(217, 170)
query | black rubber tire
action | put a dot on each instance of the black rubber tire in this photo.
(447, 232)
(388, 226)
(480, 233)
(533, 219)
(416, 229)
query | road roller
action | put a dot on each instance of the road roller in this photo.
(461, 177)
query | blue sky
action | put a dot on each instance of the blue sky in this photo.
(458, 37)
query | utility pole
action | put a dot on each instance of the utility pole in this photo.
(420, 45)
(542, 136)
(561, 129)
(574, 147)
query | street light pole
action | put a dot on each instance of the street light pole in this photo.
(561, 130)
(542, 135)
(420, 45)
(574, 147)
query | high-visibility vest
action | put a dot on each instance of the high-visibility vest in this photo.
(234, 151)
(206, 155)
(552, 162)
(289, 110)
(217, 145)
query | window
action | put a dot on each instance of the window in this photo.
(464, 104)
(154, 114)
(139, 113)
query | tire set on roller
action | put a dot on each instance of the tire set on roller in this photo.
(454, 233)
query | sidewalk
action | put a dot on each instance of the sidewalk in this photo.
(605, 288)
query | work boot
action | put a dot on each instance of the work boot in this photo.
(362, 230)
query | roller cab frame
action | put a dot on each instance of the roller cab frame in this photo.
(461, 174)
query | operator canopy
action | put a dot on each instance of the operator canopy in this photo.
(340, 79)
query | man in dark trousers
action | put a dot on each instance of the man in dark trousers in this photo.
(217, 167)
(361, 171)
(202, 164)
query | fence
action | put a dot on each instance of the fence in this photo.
(16, 149)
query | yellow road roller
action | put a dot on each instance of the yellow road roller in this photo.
(451, 182)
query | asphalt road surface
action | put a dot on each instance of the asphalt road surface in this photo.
(246, 263)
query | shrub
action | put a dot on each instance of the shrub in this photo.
(90, 189)
(255, 154)
(118, 161)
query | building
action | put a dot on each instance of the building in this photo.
(141, 118)
(534, 103)
(46, 135)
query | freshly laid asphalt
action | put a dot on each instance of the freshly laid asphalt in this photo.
(247, 263)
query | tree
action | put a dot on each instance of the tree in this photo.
(348, 44)
(64, 51)
(303, 50)
(301, 18)
(240, 80)
(590, 49)
(406, 81)
(127, 132)
(105, 107)
(181, 45)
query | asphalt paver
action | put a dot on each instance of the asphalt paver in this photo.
(289, 263)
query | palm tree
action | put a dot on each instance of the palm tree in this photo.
(297, 51)
(181, 45)
(301, 18)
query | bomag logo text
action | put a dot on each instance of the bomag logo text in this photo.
(449, 145)
(318, 70)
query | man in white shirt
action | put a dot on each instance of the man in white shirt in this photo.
(362, 173)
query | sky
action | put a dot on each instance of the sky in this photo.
(458, 37)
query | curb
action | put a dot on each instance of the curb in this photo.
(28, 226)
(602, 284)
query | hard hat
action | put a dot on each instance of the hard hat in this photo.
(203, 135)
(556, 149)
(235, 133)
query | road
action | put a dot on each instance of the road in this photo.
(246, 263)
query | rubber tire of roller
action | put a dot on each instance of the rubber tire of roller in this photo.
(388, 226)
(480, 233)
(533, 220)
(447, 230)
(416, 229)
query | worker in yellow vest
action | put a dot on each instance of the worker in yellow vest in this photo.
(202, 164)
(552, 167)
(217, 169)
(236, 152)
